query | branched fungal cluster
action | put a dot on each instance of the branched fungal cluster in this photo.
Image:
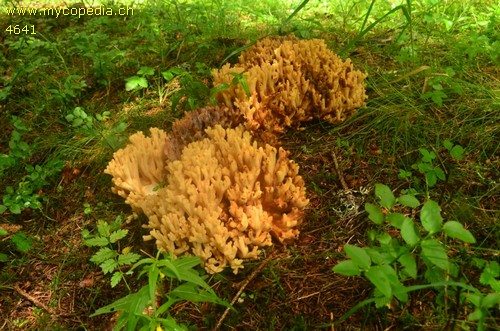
(207, 187)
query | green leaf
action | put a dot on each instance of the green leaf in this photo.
(97, 241)
(448, 144)
(21, 241)
(117, 235)
(409, 201)
(384, 193)
(108, 266)
(103, 228)
(15, 209)
(3, 232)
(136, 83)
(430, 216)
(102, 255)
(347, 268)
(358, 256)
(457, 152)
(116, 278)
(167, 75)
(134, 304)
(476, 315)
(374, 213)
(491, 300)
(404, 174)
(191, 292)
(377, 276)
(146, 71)
(426, 155)
(440, 173)
(490, 272)
(3, 208)
(435, 252)
(395, 219)
(129, 258)
(430, 178)
(457, 230)
(409, 264)
(409, 232)
(3, 257)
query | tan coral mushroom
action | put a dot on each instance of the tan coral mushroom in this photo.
(139, 168)
(221, 199)
(290, 82)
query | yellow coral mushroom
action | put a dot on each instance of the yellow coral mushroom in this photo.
(223, 196)
(223, 199)
(291, 81)
(140, 167)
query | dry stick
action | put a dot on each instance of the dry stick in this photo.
(339, 172)
(34, 300)
(242, 288)
(411, 73)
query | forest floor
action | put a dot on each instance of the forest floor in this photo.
(65, 108)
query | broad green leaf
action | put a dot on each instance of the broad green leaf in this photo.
(430, 178)
(457, 152)
(3, 232)
(409, 232)
(435, 252)
(136, 83)
(490, 272)
(395, 219)
(3, 208)
(97, 241)
(491, 300)
(102, 255)
(430, 216)
(128, 258)
(448, 144)
(347, 268)
(146, 71)
(21, 241)
(400, 292)
(117, 235)
(108, 266)
(380, 299)
(115, 279)
(358, 256)
(378, 277)
(384, 193)
(476, 315)
(474, 298)
(409, 264)
(191, 292)
(375, 255)
(433, 274)
(374, 213)
(384, 238)
(440, 173)
(15, 209)
(409, 201)
(131, 307)
(457, 230)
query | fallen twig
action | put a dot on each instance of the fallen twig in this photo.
(242, 288)
(34, 300)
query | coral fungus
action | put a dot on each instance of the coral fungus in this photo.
(290, 81)
(222, 199)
